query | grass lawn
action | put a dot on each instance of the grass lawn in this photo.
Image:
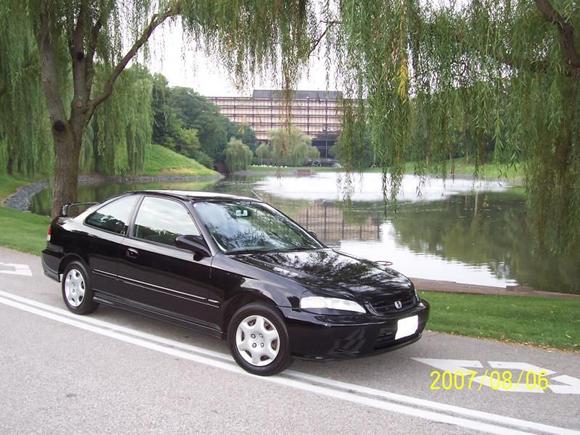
(533, 320)
(23, 231)
(162, 161)
(462, 168)
(9, 184)
(489, 170)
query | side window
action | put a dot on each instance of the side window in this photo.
(162, 220)
(114, 216)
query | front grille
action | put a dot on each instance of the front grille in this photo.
(385, 304)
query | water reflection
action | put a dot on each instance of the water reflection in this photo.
(368, 187)
(451, 233)
(332, 224)
(422, 264)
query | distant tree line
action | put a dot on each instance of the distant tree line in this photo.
(143, 110)
(188, 123)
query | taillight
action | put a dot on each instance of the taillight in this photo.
(49, 233)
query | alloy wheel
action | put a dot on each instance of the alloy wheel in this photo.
(257, 340)
(74, 287)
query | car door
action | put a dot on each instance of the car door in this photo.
(159, 276)
(103, 236)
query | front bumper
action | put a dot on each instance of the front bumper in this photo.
(317, 336)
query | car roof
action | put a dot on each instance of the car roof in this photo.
(197, 196)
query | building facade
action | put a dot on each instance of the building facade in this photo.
(316, 113)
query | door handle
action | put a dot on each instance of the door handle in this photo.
(132, 253)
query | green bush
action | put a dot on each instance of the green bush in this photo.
(290, 147)
(238, 155)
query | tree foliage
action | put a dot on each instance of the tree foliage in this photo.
(263, 152)
(119, 132)
(238, 156)
(430, 81)
(25, 145)
(290, 146)
(66, 42)
(178, 108)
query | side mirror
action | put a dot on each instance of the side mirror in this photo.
(313, 234)
(194, 244)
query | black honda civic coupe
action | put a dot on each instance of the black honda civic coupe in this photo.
(236, 268)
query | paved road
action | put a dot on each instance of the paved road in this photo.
(118, 372)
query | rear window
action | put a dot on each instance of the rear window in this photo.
(115, 216)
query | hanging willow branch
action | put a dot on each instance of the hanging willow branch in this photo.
(155, 22)
(566, 31)
(316, 43)
(490, 80)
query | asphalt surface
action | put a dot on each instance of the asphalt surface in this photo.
(116, 372)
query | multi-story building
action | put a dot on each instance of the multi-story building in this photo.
(316, 113)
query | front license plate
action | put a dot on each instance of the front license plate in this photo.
(407, 326)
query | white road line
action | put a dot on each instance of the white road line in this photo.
(335, 389)
(15, 269)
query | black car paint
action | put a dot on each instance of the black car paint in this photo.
(170, 284)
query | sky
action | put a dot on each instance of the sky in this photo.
(182, 66)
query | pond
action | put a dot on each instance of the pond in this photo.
(454, 230)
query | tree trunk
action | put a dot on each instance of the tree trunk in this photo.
(67, 134)
(67, 149)
(10, 165)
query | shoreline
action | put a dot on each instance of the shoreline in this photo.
(476, 289)
(21, 199)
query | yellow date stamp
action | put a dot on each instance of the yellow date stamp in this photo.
(497, 380)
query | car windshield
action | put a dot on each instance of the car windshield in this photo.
(238, 226)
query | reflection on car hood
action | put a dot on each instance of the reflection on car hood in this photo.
(330, 273)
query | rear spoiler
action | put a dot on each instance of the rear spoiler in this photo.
(65, 211)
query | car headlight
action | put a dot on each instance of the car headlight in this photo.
(318, 302)
(417, 297)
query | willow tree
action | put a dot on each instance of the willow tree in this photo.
(291, 146)
(24, 128)
(238, 155)
(74, 38)
(121, 129)
(505, 71)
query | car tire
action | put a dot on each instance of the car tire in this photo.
(76, 289)
(258, 339)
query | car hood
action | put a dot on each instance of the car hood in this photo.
(326, 272)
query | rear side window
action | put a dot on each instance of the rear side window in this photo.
(162, 220)
(114, 217)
